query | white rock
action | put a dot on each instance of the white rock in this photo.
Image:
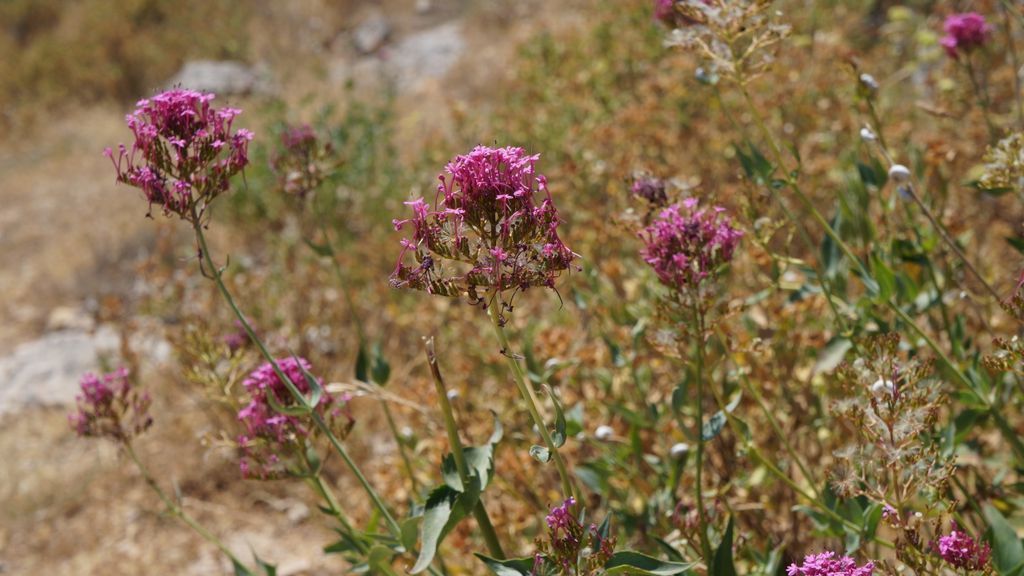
(371, 33)
(221, 77)
(46, 372)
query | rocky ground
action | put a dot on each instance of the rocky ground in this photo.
(71, 244)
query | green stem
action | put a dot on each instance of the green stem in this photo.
(479, 512)
(527, 393)
(698, 320)
(401, 446)
(318, 485)
(175, 509)
(216, 272)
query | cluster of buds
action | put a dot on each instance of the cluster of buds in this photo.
(485, 229)
(687, 245)
(964, 33)
(302, 162)
(110, 406)
(735, 37)
(890, 407)
(653, 190)
(275, 443)
(961, 551)
(1004, 165)
(571, 549)
(184, 153)
(827, 564)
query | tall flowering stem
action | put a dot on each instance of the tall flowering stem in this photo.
(687, 246)
(111, 406)
(299, 397)
(479, 512)
(492, 229)
(183, 157)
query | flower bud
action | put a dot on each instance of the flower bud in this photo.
(867, 135)
(604, 432)
(899, 173)
(679, 450)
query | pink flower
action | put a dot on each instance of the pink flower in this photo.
(964, 32)
(492, 222)
(686, 245)
(826, 564)
(110, 406)
(653, 190)
(270, 435)
(962, 551)
(184, 153)
(302, 162)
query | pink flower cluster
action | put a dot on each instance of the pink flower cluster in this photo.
(270, 437)
(826, 564)
(184, 153)
(651, 189)
(964, 32)
(962, 551)
(686, 245)
(568, 539)
(298, 162)
(486, 222)
(110, 406)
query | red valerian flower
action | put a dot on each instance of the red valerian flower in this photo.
(492, 226)
(110, 406)
(184, 153)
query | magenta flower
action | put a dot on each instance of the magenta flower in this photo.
(686, 245)
(962, 551)
(567, 542)
(271, 438)
(484, 230)
(826, 564)
(653, 190)
(184, 153)
(664, 11)
(298, 164)
(110, 406)
(964, 32)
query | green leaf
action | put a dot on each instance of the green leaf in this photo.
(629, 562)
(444, 509)
(362, 365)
(295, 410)
(540, 453)
(316, 390)
(1007, 550)
(381, 370)
(510, 567)
(884, 277)
(558, 434)
(379, 558)
(410, 528)
(723, 565)
(713, 426)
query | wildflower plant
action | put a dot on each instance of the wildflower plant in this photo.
(736, 39)
(492, 228)
(964, 33)
(275, 443)
(961, 551)
(184, 154)
(830, 564)
(111, 406)
(890, 411)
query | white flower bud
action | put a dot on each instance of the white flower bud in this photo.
(453, 394)
(882, 387)
(899, 173)
(867, 135)
(604, 432)
(869, 82)
(679, 450)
